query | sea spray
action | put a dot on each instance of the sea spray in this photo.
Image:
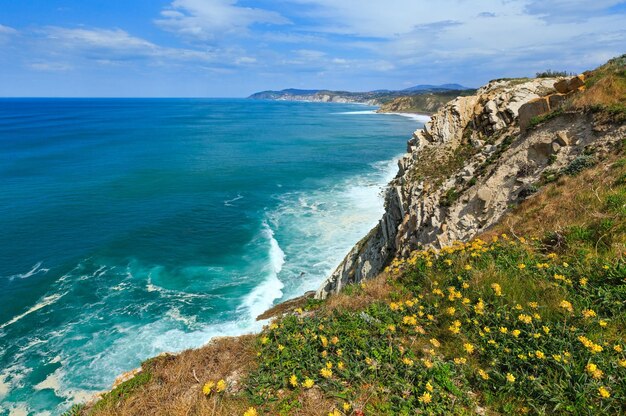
(131, 211)
(263, 296)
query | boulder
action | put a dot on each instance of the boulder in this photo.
(563, 139)
(542, 151)
(556, 100)
(531, 109)
(565, 86)
(575, 83)
(562, 86)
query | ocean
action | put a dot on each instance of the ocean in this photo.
(130, 227)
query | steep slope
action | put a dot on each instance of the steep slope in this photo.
(425, 103)
(467, 166)
(527, 318)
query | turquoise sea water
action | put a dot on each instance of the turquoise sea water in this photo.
(133, 227)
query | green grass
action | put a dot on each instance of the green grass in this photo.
(390, 350)
(124, 390)
(535, 121)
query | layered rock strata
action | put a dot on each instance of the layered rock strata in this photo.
(465, 168)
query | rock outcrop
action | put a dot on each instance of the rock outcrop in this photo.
(467, 166)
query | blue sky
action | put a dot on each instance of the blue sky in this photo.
(231, 48)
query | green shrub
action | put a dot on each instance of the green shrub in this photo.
(579, 164)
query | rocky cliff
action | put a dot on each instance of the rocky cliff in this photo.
(426, 103)
(468, 165)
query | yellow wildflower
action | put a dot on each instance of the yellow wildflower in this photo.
(326, 372)
(479, 308)
(455, 328)
(525, 318)
(281, 347)
(329, 365)
(293, 380)
(308, 383)
(468, 347)
(425, 398)
(540, 355)
(496, 289)
(334, 340)
(594, 371)
(566, 305)
(583, 281)
(220, 386)
(618, 348)
(468, 267)
(516, 333)
(264, 340)
(392, 328)
(335, 412)
(208, 388)
(483, 374)
(463, 360)
(408, 361)
(533, 305)
(604, 393)
(250, 412)
(324, 341)
(588, 313)
(429, 387)
(503, 330)
(451, 311)
(435, 343)
(340, 365)
(409, 320)
(521, 266)
(510, 378)
(346, 406)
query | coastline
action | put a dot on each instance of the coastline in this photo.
(295, 300)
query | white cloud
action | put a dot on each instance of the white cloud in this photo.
(6, 33)
(310, 54)
(50, 66)
(115, 45)
(245, 60)
(450, 34)
(208, 19)
(6, 30)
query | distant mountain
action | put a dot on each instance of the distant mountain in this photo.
(376, 97)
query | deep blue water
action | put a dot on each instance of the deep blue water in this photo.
(133, 227)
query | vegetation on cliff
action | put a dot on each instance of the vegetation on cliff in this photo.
(502, 324)
(427, 103)
(529, 317)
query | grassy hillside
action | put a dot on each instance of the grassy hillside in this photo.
(530, 318)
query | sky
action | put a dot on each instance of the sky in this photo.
(232, 48)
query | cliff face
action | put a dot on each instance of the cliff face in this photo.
(465, 168)
(426, 103)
